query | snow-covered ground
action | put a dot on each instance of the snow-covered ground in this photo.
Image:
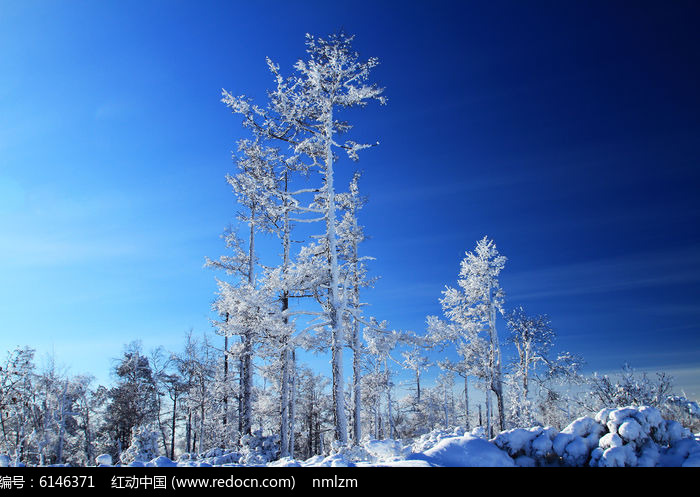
(614, 437)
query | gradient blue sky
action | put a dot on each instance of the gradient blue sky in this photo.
(566, 131)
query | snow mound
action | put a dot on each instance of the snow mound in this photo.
(431, 439)
(628, 436)
(333, 461)
(465, 451)
(161, 462)
(285, 462)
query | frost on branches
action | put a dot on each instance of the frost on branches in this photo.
(303, 113)
(471, 322)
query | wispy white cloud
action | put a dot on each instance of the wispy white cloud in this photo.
(640, 270)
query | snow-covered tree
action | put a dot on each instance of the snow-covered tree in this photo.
(381, 342)
(315, 412)
(471, 311)
(16, 400)
(144, 445)
(631, 388)
(254, 185)
(304, 111)
(132, 401)
(534, 338)
(416, 360)
(354, 275)
(196, 365)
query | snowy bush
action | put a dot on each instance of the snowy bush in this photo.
(350, 453)
(684, 411)
(257, 449)
(370, 452)
(575, 442)
(431, 439)
(630, 436)
(161, 462)
(529, 447)
(637, 437)
(103, 460)
(143, 448)
(386, 450)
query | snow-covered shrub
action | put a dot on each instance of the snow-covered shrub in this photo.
(629, 436)
(685, 411)
(103, 460)
(144, 445)
(354, 453)
(219, 456)
(431, 439)
(285, 462)
(258, 449)
(638, 436)
(529, 447)
(575, 442)
(338, 460)
(161, 462)
(370, 452)
(385, 450)
(213, 457)
(684, 452)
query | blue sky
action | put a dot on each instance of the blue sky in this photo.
(566, 131)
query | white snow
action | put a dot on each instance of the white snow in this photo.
(613, 438)
(104, 459)
(465, 451)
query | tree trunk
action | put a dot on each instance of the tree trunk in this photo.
(225, 420)
(335, 303)
(356, 381)
(292, 402)
(466, 401)
(284, 403)
(172, 436)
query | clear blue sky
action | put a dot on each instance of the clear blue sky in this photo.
(569, 132)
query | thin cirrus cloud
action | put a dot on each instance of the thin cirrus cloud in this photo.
(641, 270)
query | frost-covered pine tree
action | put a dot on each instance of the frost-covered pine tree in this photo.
(533, 338)
(133, 399)
(380, 345)
(415, 360)
(354, 276)
(254, 185)
(303, 111)
(471, 311)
